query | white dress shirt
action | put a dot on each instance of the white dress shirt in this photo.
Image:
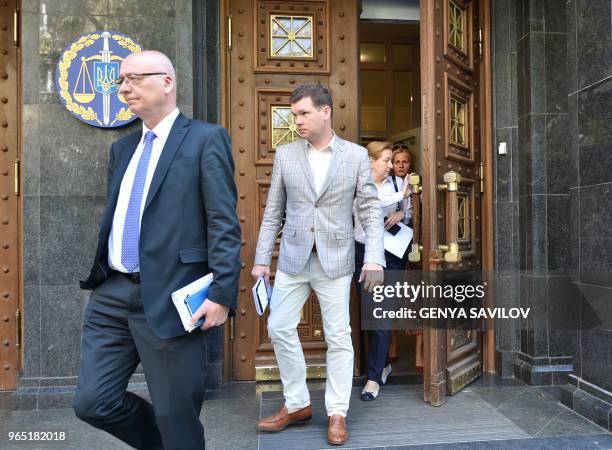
(389, 199)
(162, 130)
(319, 161)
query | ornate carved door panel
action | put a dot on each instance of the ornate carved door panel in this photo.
(10, 314)
(454, 140)
(274, 47)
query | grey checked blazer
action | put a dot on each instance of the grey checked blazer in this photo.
(327, 218)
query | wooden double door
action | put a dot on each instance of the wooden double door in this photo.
(274, 46)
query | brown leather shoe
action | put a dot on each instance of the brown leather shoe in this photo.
(281, 419)
(336, 431)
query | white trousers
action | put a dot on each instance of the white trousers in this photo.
(288, 297)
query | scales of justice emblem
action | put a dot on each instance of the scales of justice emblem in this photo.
(86, 74)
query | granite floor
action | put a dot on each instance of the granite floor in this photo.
(230, 414)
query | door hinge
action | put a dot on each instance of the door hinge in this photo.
(232, 328)
(18, 329)
(481, 177)
(16, 27)
(479, 44)
(229, 33)
(17, 177)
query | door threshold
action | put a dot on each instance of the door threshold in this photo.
(315, 370)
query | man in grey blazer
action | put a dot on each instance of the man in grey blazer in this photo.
(315, 182)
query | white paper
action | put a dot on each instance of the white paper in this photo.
(261, 294)
(178, 298)
(399, 243)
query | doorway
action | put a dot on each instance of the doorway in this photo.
(452, 144)
(439, 107)
(390, 110)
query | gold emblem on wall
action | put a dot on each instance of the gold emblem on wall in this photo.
(86, 74)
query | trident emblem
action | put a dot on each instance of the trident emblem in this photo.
(106, 71)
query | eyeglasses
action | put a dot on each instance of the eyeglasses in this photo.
(135, 78)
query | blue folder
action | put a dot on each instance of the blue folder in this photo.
(195, 300)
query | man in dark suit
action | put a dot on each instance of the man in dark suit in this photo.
(170, 219)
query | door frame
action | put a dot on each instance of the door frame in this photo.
(486, 120)
(14, 243)
(225, 121)
(435, 342)
(427, 37)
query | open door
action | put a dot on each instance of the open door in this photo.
(273, 46)
(454, 236)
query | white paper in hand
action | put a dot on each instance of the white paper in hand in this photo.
(398, 243)
(262, 293)
(179, 296)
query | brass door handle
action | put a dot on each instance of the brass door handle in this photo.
(414, 180)
(450, 185)
(451, 182)
(451, 252)
(415, 254)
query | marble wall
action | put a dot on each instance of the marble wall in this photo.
(589, 100)
(65, 179)
(505, 120)
(552, 105)
(546, 347)
(532, 189)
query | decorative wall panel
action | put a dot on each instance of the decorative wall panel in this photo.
(291, 37)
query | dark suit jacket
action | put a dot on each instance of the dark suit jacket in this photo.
(189, 223)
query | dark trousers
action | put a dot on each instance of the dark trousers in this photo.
(378, 339)
(116, 337)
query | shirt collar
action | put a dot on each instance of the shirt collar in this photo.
(162, 130)
(385, 181)
(331, 144)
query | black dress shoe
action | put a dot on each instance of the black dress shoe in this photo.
(368, 396)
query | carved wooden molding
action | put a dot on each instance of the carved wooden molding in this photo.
(291, 37)
(458, 26)
(458, 92)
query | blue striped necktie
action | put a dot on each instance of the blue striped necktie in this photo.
(131, 228)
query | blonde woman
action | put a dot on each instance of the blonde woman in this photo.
(402, 161)
(395, 201)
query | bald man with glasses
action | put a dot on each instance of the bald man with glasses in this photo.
(170, 219)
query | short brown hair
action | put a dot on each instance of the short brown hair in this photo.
(375, 148)
(319, 95)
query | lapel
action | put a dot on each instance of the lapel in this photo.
(305, 164)
(173, 143)
(334, 165)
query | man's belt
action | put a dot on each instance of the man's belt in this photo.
(134, 277)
